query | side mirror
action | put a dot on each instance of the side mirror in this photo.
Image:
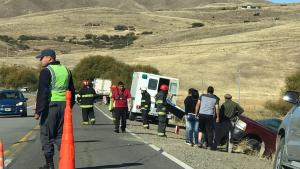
(291, 97)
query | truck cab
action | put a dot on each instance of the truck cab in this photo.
(152, 82)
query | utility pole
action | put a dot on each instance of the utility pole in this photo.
(239, 83)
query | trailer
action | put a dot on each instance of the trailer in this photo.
(102, 88)
(152, 82)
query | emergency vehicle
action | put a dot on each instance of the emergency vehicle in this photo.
(152, 82)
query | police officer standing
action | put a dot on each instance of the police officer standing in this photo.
(54, 80)
(145, 106)
(161, 103)
(229, 115)
(86, 98)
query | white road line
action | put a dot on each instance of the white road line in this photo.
(169, 156)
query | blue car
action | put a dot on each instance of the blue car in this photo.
(12, 102)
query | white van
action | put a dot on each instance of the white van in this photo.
(102, 86)
(152, 82)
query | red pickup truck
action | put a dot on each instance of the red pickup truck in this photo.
(258, 132)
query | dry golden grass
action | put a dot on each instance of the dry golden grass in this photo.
(264, 52)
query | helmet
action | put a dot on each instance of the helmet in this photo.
(85, 82)
(113, 87)
(164, 87)
(143, 88)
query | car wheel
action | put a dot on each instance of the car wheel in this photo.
(250, 146)
(24, 114)
(254, 144)
(279, 155)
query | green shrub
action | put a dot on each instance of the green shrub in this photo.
(121, 27)
(107, 68)
(281, 107)
(14, 43)
(147, 33)
(18, 76)
(30, 37)
(197, 24)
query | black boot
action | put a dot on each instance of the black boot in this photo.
(49, 163)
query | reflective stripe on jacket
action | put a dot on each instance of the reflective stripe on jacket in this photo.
(86, 97)
(160, 101)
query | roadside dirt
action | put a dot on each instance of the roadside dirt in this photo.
(193, 156)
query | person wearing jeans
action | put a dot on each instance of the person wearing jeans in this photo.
(193, 129)
(192, 122)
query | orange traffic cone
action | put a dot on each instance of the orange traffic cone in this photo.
(67, 156)
(177, 129)
(1, 155)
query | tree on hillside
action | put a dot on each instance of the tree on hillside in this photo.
(281, 107)
(107, 68)
(18, 76)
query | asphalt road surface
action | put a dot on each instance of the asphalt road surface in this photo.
(96, 146)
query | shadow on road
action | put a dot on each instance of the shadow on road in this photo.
(123, 165)
(87, 141)
(103, 124)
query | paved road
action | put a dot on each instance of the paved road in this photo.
(97, 147)
(12, 129)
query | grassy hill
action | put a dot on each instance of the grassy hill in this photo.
(259, 46)
(10, 8)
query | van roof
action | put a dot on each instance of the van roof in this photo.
(167, 77)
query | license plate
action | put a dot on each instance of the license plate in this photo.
(7, 109)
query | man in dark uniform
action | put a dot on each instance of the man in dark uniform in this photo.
(54, 80)
(161, 110)
(145, 106)
(229, 114)
(86, 98)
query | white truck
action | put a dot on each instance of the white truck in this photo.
(102, 88)
(152, 82)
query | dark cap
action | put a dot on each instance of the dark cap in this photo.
(227, 96)
(46, 52)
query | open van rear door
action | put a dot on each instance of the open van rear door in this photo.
(173, 90)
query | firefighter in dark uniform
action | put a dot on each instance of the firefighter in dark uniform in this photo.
(161, 110)
(145, 106)
(86, 98)
(54, 80)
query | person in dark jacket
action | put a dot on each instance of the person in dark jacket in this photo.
(86, 98)
(145, 106)
(54, 80)
(192, 121)
(161, 109)
(229, 113)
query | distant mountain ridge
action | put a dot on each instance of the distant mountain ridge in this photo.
(10, 8)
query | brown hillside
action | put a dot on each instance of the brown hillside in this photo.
(10, 8)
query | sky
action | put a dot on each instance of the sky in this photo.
(285, 1)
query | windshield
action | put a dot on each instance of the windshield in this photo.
(272, 124)
(10, 95)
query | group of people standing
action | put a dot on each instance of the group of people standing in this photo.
(121, 104)
(206, 122)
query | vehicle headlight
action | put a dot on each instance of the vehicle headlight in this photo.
(20, 104)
